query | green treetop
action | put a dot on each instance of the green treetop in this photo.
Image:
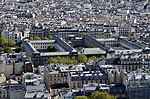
(46, 38)
(82, 58)
(5, 41)
(81, 97)
(31, 38)
(11, 42)
(50, 37)
(8, 50)
(94, 58)
(37, 38)
(101, 95)
(97, 95)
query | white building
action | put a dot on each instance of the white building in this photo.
(11, 89)
(2, 78)
(123, 30)
(35, 88)
(16, 92)
(6, 66)
(14, 35)
(42, 44)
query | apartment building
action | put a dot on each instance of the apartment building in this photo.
(73, 77)
(56, 76)
(11, 89)
(42, 45)
(14, 35)
(123, 30)
(34, 86)
(4, 92)
(11, 64)
(113, 42)
(78, 79)
(138, 85)
(131, 62)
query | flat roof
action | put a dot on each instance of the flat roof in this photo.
(54, 53)
(108, 39)
(43, 41)
(94, 51)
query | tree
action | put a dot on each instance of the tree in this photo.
(97, 95)
(103, 57)
(129, 37)
(8, 50)
(52, 60)
(51, 49)
(68, 61)
(74, 61)
(81, 97)
(94, 58)
(49, 60)
(63, 59)
(37, 38)
(46, 38)
(101, 95)
(11, 42)
(82, 58)
(59, 59)
(50, 37)
(3, 41)
(31, 39)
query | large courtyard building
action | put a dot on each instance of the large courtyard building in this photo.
(73, 46)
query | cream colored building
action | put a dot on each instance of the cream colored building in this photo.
(6, 66)
(2, 79)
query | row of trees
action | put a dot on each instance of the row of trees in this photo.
(82, 58)
(38, 38)
(6, 42)
(97, 95)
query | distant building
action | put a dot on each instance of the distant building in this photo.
(118, 90)
(28, 67)
(131, 62)
(78, 79)
(34, 86)
(33, 49)
(59, 74)
(14, 35)
(11, 89)
(10, 64)
(42, 45)
(123, 30)
(138, 85)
